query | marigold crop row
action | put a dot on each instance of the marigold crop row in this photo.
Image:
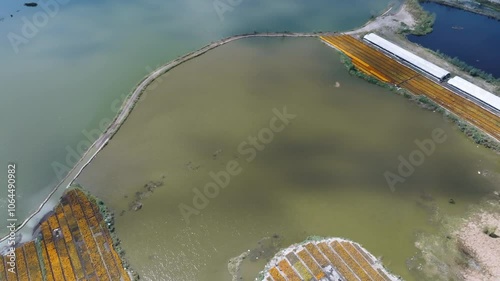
(10, 276)
(65, 260)
(86, 261)
(313, 250)
(59, 209)
(54, 261)
(75, 260)
(117, 258)
(303, 271)
(46, 262)
(289, 272)
(94, 224)
(34, 270)
(2, 269)
(383, 274)
(87, 208)
(311, 264)
(92, 248)
(77, 212)
(365, 255)
(108, 258)
(362, 261)
(47, 234)
(350, 261)
(53, 223)
(275, 273)
(337, 262)
(22, 270)
(68, 238)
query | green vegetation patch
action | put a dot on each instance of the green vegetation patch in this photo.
(472, 71)
(424, 20)
(39, 250)
(469, 130)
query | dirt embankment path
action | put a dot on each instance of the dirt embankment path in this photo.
(124, 112)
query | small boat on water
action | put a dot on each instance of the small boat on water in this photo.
(457, 27)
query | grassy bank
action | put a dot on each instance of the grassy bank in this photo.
(482, 7)
(424, 20)
(472, 71)
(469, 130)
(492, 5)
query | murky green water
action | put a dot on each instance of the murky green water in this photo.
(323, 174)
(76, 60)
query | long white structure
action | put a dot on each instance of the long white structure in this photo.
(475, 91)
(424, 65)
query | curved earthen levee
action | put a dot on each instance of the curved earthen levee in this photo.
(129, 104)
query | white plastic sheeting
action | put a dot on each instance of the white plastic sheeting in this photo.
(407, 56)
(475, 91)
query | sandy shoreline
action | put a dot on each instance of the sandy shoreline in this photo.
(389, 21)
(484, 249)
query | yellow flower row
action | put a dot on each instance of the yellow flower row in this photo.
(54, 260)
(307, 259)
(92, 248)
(287, 269)
(22, 270)
(31, 255)
(46, 262)
(362, 262)
(316, 254)
(337, 262)
(65, 261)
(276, 274)
(350, 261)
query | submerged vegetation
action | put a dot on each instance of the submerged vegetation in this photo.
(444, 255)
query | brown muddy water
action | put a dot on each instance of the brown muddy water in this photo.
(321, 174)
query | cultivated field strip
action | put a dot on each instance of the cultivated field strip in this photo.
(462, 107)
(22, 269)
(2, 270)
(74, 244)
(336, 260)
(374, 275)
(311, 264)
(379, 65)
(327, 259)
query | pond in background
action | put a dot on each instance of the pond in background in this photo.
(473, 38)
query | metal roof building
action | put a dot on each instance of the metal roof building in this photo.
(407, 56)
(475, 91)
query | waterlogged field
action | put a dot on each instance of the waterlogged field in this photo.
(263, 142)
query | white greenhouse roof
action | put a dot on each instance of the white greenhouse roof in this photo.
(475, 91)
(417, 61)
